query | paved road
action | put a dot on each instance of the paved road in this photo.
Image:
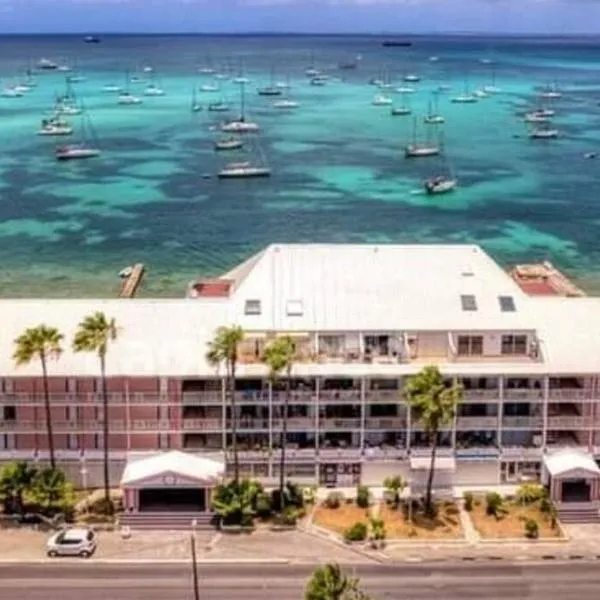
(68, 581)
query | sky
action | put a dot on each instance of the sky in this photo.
(318, 16)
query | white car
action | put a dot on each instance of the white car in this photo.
(72, 542)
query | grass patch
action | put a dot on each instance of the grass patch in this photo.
(511, 521)
(446, 525)
(340, 519)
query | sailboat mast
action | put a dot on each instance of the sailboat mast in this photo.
(243, 102)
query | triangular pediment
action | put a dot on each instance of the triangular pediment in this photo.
(170, 479)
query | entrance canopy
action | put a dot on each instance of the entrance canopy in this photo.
(571, 464)
(172, 469)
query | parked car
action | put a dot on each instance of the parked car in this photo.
(72, 542)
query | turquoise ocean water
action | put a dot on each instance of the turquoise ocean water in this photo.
(339, 173)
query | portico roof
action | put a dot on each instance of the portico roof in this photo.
(571, 462)
(188, 466)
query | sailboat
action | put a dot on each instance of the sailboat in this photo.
(381, 100)
(246, 169)
(550, 92)
(196, 106)
(286, 103)
(412, 78)
(543, 132)
(492, 88)
(45, 64)
(126, 98)
(402, 110)
(421, 149)
(152, 89)
(433, 116)
(240, 125)
(84, 148)
(207, 68)
(241, 78)
(311, 70)
(466, 97)
(271, 89)
(55, 126)
(229, 143)
(12, 91)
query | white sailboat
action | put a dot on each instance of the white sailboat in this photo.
(126, 98)
(433, 116)
(85, 147)
(402, 110)
(421, 149)
(466, 97)
(55, 126)
(240, 125)
(196, 106)
(543, 132)
(381, 100)
(249, 169)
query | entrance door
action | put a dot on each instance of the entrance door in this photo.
(576, 490)
(173, 500)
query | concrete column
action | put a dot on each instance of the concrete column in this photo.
(363, 413)
(317, 429)
(546, 399)
(500, 411)
(454, 420)
(224, 418)
(270, 465)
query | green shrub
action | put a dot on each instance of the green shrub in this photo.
(288, 517)
(468, 498)
(263, 505)
(493, 504)
(356, 533)
(362, 496)
(546, 505)
(377, 529)
(528, 493)
(334, 500)
(532, 529)
(308, 494)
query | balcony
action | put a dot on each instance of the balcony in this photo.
(295, 424)
(384, 396)
(523, 395)
(473, 396)
(385, 423)
(202, 425)
(340, 397)
(473, 423)
(522, 422)
(252, 397)
(521, 453)
(570, 395)
(477, 452)
(212, 397)
(343, 424)
(296, 397)
(250, 424)
(570, 422)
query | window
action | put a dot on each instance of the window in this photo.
(71, 386)
(252, 307)
(72, 442)
(507, 303)
(470, 345)
(7, 441)
(294, 308)
(468, 302)
(515, 345)
(9, 413)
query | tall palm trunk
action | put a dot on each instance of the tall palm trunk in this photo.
(105, 432)
(428, 504)
(48, 411)
(236, 461)
(286, 402)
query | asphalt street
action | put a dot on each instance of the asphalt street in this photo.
(66, 580)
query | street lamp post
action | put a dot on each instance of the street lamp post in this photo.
(194, 562)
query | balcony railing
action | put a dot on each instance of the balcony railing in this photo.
(570, 394)
(296, 397)
(340, 396)
(481, 395)
(470, 423)
(202, 425)
(385, 423)
(523, 395)
(295, 424)
(518, 452)
(331, 424)
(522, 422)
(211, 397)
(391, 396)
(570, 422)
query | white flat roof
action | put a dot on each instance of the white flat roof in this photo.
(327, 287)
(567, 460)
(179, 463)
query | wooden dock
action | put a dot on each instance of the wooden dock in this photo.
(131, 283)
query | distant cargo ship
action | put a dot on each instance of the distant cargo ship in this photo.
(396, 43)
(91, 39)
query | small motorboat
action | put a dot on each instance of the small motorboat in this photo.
(270, 90)
(218, 107)
(411, 78)
(47, 65)
(55, 127)
(244, 170)
(286, 104)
(400, 111)
(91, 39)
(433, 120)
(590, 155)
(543, 133)
(128, 99)
(209, 87)
(240, 127)
(153, 90)
(440, 185)
(318, 80)
(405, 89)
(12, 92)
(112, 88)
(465, 99)
(230, 143)
(381, 100)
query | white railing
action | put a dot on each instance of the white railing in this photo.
(522, 422)
(329, 424)
(336, 396)
(571, 395)
(392, 396)
(570, 422)
(519, 452)
(481, 395)
(523, 395)
(209, 397)
(385, 423)
(202, 425)
(470, 423)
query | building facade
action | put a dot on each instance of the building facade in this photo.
(364, 318)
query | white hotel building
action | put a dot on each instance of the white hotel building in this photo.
(365, 318)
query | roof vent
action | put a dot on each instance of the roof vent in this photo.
(468, 302)
(507, 304)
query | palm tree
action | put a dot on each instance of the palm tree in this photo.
(279, 356)
(94, 334)
(16, 479)
(50, 487)
(434, 402)
(329, 582)
(223, 348)
(41, 342)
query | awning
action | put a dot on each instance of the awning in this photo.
(442, 463)
(170, 467)
(571, 463)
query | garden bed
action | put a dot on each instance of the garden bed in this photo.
(510, 524)
(340, 519)
(446, 525)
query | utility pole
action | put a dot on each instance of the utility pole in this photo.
(194, 566)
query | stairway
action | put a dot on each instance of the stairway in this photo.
(166, 520)
(579, 515)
